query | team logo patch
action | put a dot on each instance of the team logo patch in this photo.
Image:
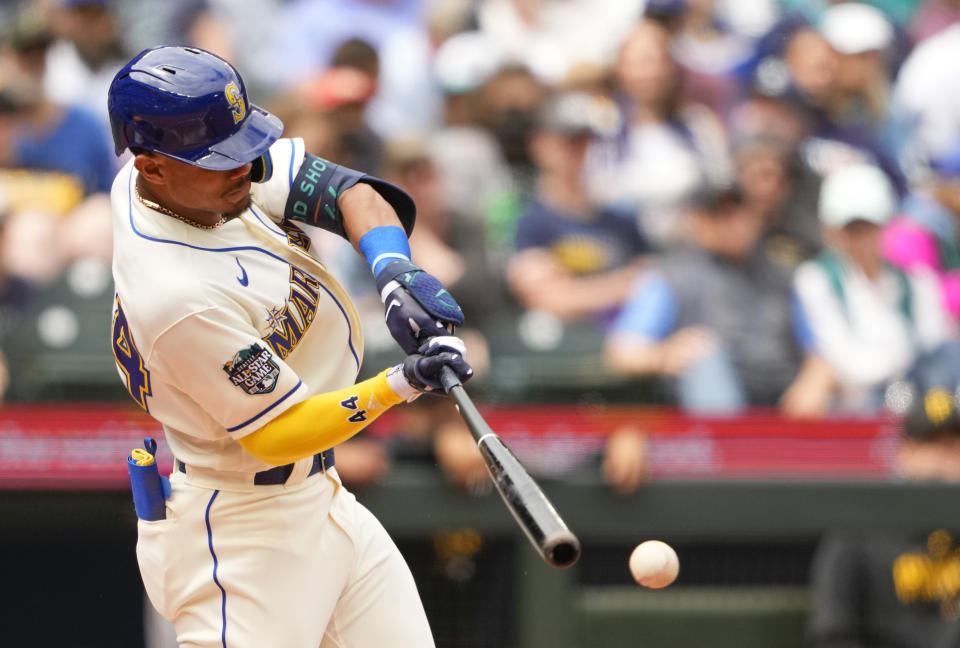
(253, 370)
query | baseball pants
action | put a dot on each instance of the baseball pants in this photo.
(294, 566)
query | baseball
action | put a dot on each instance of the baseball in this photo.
(654, 564)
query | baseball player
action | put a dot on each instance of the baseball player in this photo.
(235, 337)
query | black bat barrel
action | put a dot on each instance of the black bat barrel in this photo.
(532, 510)
(529, 506)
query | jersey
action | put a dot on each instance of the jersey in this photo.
(217, 332)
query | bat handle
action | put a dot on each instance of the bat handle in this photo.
(449, 379)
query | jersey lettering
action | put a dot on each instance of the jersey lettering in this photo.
(296, 237)
(310, 175)
(304, 284)
(289, 325)
(359, 417)
(304, 294)
(129, 360)
(350, 403)
(314, 191)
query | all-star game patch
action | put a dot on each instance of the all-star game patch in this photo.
(253, 370)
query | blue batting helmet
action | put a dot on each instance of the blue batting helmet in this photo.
(190, 105)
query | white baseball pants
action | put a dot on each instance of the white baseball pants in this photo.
(291, 566)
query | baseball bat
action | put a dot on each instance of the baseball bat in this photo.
(532, 510)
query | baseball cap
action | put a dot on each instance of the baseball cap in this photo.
(856, 192)
(29, 29)
(854, 28)
(339, 86)
(465, 61)
(932, 416)
(574, 113)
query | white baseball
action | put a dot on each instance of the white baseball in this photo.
(654, 564)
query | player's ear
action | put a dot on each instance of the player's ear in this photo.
(150, 167)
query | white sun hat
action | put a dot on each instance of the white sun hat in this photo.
(856, 192)
(854, 28)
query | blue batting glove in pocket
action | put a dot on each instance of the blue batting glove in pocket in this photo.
(150, 488)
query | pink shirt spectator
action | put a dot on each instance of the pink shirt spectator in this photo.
(909, 245)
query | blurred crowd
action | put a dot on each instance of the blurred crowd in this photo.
(747, 203)
(718, 205)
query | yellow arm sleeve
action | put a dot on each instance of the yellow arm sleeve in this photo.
(321, 421)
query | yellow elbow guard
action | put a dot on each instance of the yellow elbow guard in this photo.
(321, 421)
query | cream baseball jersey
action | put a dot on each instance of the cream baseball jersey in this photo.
(216, 332)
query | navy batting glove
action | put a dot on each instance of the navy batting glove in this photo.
(417, 305)
(422, 369)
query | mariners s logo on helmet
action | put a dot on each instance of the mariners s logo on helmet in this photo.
(235, 99)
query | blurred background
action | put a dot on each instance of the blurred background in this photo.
(709, 257)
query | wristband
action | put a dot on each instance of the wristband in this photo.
(384, 244)
(400, 385)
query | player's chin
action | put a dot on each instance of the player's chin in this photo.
(238, 204)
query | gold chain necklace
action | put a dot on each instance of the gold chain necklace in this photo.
(163, 210)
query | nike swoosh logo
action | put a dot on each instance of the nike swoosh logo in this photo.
(242, 278)
(390, 306)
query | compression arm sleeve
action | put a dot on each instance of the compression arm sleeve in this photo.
(321, 421)
(315, 195)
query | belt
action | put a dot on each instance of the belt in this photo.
(279, 474)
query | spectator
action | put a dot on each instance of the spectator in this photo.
(47, 136)
(717, 317)
(54, 163)
(812, 66)
(409, 100)
(928, 234)
(548, 36)
(775, 184)
(476, 180)
(469, 158)
(85, 54)
(883, 588)
(899, 11)
(446, 239)
(572, 260)
(712, 55)
(830, 82)
(310, 31)
(625, 460)
(248, 33)
(932, 17)
(926, 102)
(301, 119)
(342, 93)
(770, 127)
(861, 36)
(872, 323)
(17, 296)
(509, 102)
(666, 149)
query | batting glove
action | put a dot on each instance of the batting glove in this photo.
(420, 371)
(417, 305)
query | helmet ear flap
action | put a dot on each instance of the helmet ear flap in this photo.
(262, 169)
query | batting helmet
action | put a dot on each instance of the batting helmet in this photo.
(190, 105)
